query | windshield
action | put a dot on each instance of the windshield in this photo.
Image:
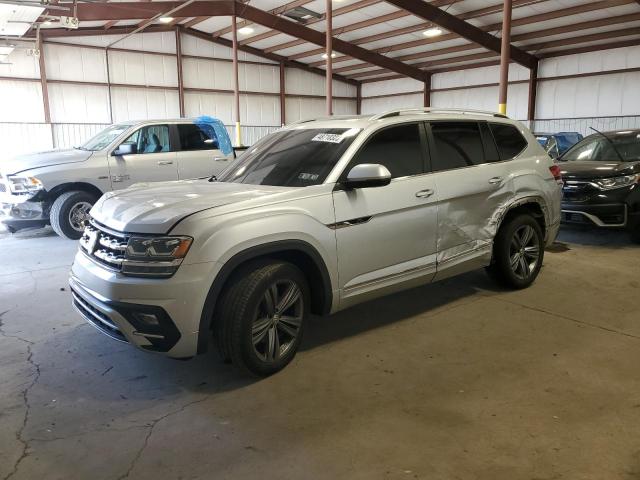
(291, 158)
(597, 148)
(104, 138)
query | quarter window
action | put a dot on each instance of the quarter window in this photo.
(509, 140)
(397, 148)
(456, 145)
(197, 137)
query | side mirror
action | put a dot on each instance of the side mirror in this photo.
(125, 149)
(368, 175)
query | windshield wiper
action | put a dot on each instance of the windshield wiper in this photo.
(613, 145)
(213, 178)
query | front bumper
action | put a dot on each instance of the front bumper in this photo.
(120, 306)
(20, 215)
(600, 215)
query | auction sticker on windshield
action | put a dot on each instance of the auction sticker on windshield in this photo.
(328, 137)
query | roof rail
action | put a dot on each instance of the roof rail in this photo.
(399, 111)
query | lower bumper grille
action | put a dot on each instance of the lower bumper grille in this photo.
(97, 318)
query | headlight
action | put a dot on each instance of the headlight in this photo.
(24, 184)
(159, 256)
(616, 182)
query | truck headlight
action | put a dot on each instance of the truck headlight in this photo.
(24, 184)
(617, 182)
(159, 256)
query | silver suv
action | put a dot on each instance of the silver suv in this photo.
(312, 219)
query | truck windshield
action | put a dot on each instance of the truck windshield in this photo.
(597, 148)
(292, 158)
(104, 138)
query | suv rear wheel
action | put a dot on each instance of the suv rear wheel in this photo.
(262, 317)
(518, 252)
(69, 211)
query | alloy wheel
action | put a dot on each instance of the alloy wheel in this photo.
(78, 214)
(524, 252)
(278, 320)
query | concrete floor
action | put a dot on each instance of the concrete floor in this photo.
(457, 380)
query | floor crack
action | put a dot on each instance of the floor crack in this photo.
(151, 426)
(25, 398)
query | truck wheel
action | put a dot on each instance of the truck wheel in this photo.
(262, 317)
(69, 211)
(518, 251)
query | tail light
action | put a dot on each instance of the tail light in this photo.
(556, 172)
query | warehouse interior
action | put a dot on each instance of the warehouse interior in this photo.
(459, 379)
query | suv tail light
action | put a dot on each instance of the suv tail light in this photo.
(555, 171)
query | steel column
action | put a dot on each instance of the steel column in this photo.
(236, 81)
(179, 66)
(328, 53)
(427, 90)
(533, 87)
(359, 99)
(505, 56)
(106, 61)
(43, 83)
(282, 95)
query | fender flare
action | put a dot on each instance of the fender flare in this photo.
(249, 254)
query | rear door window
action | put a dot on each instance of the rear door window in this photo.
(456, 145)
(197, 137)
(509, 140)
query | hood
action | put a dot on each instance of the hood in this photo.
(43, 159)
(156, 207)
(597, 169)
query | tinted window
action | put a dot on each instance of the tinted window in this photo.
(291, 158)
(151, 139)
(509, 140)
(456, 145)
(397, 148)
(490, 151)
(197, 137)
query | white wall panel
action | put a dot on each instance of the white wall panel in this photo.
(606, 95)
(198, 47)
(254, 109)
(201, 73)
(144, 104)
(164, 42)
(67, 135)
(21, 101)
(21, 65)
(301, 82)
(79, 103)
(378, 105)
(259, 78)
(485, 98)
(477, 76)
(143, 69)
(308, 108)
(19, 138)
(615, 59)
(72, 63)
(399, 85)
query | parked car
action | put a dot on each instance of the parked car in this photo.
(60, 186)
(315, 218)
(602, 181)
(555, 144)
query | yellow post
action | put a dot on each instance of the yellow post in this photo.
(238, 135)
(502, 108)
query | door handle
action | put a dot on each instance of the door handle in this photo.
(424, 193)
(495, 180)
(220, 159)
(165, 162)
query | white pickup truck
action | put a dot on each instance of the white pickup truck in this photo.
(59, 187)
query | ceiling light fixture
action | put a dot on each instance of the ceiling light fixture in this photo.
(432, 32)
(245, 31)
(165, 19)
(324, 55)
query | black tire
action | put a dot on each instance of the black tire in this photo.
(244, 315)
(508, 247)
(61, 213)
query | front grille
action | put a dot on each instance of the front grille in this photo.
(577, 190)
(96, 317)
(104, 246)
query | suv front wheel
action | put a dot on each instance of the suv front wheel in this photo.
(518, 251)
(262, 317)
